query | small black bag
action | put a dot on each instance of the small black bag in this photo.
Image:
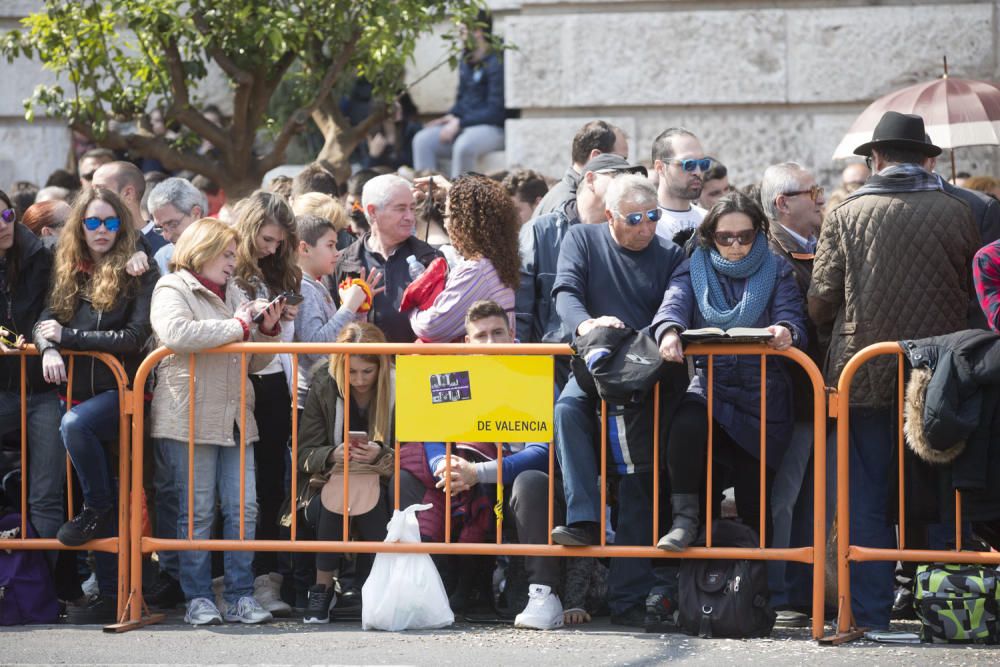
(725, 598)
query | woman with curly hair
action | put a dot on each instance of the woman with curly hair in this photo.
(482, 222)
(266, 267)
(94, 304)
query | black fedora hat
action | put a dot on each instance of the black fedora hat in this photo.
(899, 129)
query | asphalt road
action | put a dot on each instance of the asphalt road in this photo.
(287, 642)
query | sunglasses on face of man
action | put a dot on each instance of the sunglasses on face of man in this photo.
(690, 165)
(634, 219)
(815, 193)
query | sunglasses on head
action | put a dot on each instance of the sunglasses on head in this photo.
(745, 237)
(814, 192)
(111, 223)
(8, 215)
(701, 164)
(635, 218)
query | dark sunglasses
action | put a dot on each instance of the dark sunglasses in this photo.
(8, 215)
(111, 224)
(635, 218)
(815, 193)
(702, 164)
(746, 237)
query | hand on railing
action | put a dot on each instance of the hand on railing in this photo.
(782, 337)
(671, 348)
(53, 367)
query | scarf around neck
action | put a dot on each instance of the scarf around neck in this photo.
(758, 267)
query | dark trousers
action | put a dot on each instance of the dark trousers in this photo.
(272, 411)
(630, 579)
(329, 526)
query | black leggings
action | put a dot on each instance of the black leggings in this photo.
(272, 412)
(732, 465)
(370, 527)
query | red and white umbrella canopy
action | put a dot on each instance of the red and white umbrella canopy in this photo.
(956, 112)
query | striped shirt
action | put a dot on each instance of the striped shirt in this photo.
(469, 281)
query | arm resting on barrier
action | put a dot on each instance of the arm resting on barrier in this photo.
(176, 327)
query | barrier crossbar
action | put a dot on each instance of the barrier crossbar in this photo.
(119, 544)
(847, 552)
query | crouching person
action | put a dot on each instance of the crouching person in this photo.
(195, 308)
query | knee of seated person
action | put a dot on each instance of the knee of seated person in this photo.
(527, 481)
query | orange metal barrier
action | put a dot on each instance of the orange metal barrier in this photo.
(847, 552)
(116, 545)
(140, 545)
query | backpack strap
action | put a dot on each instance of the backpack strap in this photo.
(705, 625)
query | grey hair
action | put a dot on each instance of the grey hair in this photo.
(631, 188)
(378, 191)
(778, 179)
(180, 194)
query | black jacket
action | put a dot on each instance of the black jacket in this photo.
(961, 403)
(385, 307)
(122, 331)
(20, 310)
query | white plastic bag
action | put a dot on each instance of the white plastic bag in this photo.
(404, 591)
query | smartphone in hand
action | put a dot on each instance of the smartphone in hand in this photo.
(259, 317)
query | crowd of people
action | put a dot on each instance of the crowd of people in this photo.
(115, 260)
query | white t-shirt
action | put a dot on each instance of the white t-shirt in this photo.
(673, 222)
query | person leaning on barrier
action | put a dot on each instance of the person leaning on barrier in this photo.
(195, 308)
(321, 455)
(94, 305)
(735, 281)
(612, 275)
(25, 270)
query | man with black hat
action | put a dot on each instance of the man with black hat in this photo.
(894, 262)
(541, 238)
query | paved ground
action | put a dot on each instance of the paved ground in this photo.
(289, 642)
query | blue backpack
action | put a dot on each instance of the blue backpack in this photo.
(27, 594)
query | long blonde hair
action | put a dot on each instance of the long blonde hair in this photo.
(280, 271)
(380, 410)
(323, 206)
(76, 275)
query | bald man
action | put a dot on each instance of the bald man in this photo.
(127, 181)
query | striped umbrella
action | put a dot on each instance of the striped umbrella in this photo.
(956, 112)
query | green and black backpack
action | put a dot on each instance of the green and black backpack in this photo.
(958, 604)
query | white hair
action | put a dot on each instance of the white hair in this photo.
(631, 188)
(179, 193)
(778, 180)
(378, 191)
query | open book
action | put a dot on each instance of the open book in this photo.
(734, 335)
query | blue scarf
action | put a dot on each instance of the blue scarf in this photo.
(759, 266)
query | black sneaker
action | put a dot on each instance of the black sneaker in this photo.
(348, 606)
(902, 605)
(321, 598)
(582, 534)
(166, 593)
(84, 526)
(661, 610)
(633, 617)
(479, 607)
(97, 610)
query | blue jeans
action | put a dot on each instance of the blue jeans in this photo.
(791, 514)
(576, 426)
(464, 150)
(166, 505)
(46, 456)
(630, 579)
(216, 481)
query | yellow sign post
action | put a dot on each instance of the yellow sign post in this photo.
(474, 398)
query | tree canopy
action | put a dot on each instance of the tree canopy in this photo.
(118, 59)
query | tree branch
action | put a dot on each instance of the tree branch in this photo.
(181, 108)
(236, 73)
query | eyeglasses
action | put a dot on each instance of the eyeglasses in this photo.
(701, 164)
(635, 218)
(8, 215)
(168, 225)
(815, 193)
(111, 223)
(869, 162)
(745, 237)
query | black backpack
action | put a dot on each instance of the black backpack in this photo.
(725, 598)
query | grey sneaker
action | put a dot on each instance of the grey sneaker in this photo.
(247, 610)
(201, 611)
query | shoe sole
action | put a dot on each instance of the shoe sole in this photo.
(214, 621)
(565, 540)
(525, 626)
(316, 621)
(248, 621)
(669, 546)
(792, 624)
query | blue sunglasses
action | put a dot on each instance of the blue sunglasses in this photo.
(111, 224)
(635, 218)
(702, 164)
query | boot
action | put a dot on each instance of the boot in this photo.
(684, 528)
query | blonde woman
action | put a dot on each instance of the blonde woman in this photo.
(94, 304)
(198, 307)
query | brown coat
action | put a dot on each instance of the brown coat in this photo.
(890, 267)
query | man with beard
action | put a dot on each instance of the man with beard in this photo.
(680, 164)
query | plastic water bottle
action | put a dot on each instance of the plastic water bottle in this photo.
(415, 267)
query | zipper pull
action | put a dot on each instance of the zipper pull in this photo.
(736, 585)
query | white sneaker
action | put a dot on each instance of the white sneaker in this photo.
(90, 587)
(201, 611)
(247, 610)
(544, 611)
(267, 590)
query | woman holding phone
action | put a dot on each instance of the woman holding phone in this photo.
(369, 454)
(266, 268)
(198, 307)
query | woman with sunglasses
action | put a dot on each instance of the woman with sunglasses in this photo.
(482, 222)
(736, 281)
(94, 304)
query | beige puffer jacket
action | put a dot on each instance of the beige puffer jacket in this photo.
(187, 317)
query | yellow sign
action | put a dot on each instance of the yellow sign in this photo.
(474, 398)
